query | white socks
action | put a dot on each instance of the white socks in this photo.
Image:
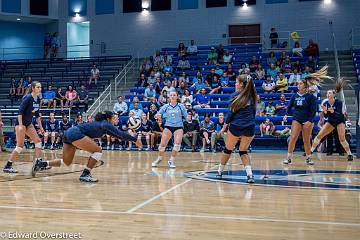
(248, 170)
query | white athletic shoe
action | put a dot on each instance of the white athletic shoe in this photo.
(155, 163)
(171, 164)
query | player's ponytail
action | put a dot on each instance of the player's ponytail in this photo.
(105, 115)
(340, 85)
(248, 93)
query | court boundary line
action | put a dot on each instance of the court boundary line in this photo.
(209, 217)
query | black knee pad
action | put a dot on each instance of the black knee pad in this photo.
(227, 151)
(243, 153)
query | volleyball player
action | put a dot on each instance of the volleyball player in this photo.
(52, 130)
(29, 106)
(332, 109)
(241, 122)
(81, 137)
(174, 113)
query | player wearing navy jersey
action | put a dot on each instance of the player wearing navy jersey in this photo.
(333, 111)
(51, 130)
(174, 113)
(81, 137)
(145, 130)
(64, 125)
(29, 106)
(241, 123)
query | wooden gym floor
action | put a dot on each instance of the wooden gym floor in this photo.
(133, 201)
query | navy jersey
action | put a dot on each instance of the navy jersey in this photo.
(304, 107)
(146, 127)
(52, 126)
(97, 129)
(337, 116)
(29, 107)
(244, 117)
(64, 126)
(36, 125)
(219, 125)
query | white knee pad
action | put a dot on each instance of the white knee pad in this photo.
(96, 156)
(162, 149)
(18, 149)
(38, 145)
(176, 147)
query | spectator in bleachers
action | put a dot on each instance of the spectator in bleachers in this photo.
(192, 49)
(71, 96)
(20, 88)
(13, 87)
(183, 63)
(158, 128)
(278, 65)
(181, 50)
(224, 80)
(271, 58)
(154, 101)
(29, 81)
(48, 97)
(163, 98)
(230, 72)
(121, 108)
(135, 100)
(198, 85)
(181, 89)
(284, 45)
(195, 115)
(312, 49)
(148, 64)
(220, 52)
(168, 87)
(202, 100)
(152, 112)
(244, 69)
(210, 76)
(149, 92)
(227, 57)
(51, 130)
(282, 83)
(311, 64)
(298, 65)
(286, 66)
(167, 59)
(260, 72)
(218, 70)
(184, 78)
(145, 131)
(306, 72)
(270, 109)
(215, 85)
(158, 59)
(2, 142)
(59, 98)
(79, 119)
(267, 127)
(94, 74)
(191, 130)
(272, 71)
(142, 82)
(151, 78)
(158, 72)
(212, 56)
(47, 45)
(159, 85)
(268, 86)
(282, 57)
(297, 51)
(198, 75)
(281, 106)
(219, 131)
(260, 106)
(137, 110)
(83, 98)
(187, 97)
(55, 44)
(274, 38)
(314, 89)
(143, 70)
(167, 77)
(253, 64)
(206, 129)
(294, 77)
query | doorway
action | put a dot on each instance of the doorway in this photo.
(244, 33)
(78, 39)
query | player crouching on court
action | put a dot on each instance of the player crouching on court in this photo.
(81, 137)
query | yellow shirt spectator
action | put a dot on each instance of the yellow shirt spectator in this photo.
(282, 84)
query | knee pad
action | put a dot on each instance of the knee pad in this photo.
(162, 149)
(38, 145)
(243, 153)
(176, 147)
(96, 155)
(18, 149)
(227, 151)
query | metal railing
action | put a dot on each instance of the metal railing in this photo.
(100, 101)
(123, 75)
(354, 38)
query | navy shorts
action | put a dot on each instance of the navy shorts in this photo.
(173, 129)
(335, 123)
(302, 122)
(247, 131)
(72, 134)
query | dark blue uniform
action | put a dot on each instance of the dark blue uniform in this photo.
(337, 116)
(64, 126)
(147, 127)
(52, 126)
(95, 130)
(29, 107)
(304, 107)
(242, 122)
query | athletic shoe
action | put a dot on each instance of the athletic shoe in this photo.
(112, 147)
(9, 169)
(37, 164)
(350, 157)
(155, 163)
(107, 147)
(52, 147)
(250, 179)
(329, 154)
(88, 178)
(309, 161)
(219, 174)
(213, 150)
(341, 154)
(147, 149)
(202, 150)
(287, 160)
(171, 164)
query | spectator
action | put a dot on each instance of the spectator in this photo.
(137, 110)
(192, 49)
(95, 74)
(142, 82)
(282, 57)
(198, 85)
(151, 79)
(219, 131)
(312, 49)
(278, 65)
(159, 85)
(206, 129)
(55, 44)
(270, 109)
(281, 106)
(187, 97)
(260, 106)
(195, 115)
(220, 53)
(149, 92)
(168, 87)
(152, 112)
(145, 130)
(267, 127)
(184, 78)
(59, 98)
(167, 77)
(274, 38)
(297, 51)
(212, 56)
(260, 72)
(230, 72)
(183, 63)
(79, 120)
(215, 85)
(148, 64)
(224, 80)
(167, 59)
(271, 58)
(120, 108)
(282, 83)
(181, 89)
(227, 57)
(49, 97)
(198, 75)
(253, 64)
(306, 72)
(2, 142)
(310, 63)
(83, 98)
(210, 76)
(158, 72)
(218, 70)
(191, 130)
(181, 50)
(20, 88)
(268, 86)
(202, 100)
(13, 86)
(294, 77)
(286, 65)
(47, 45)
(244, 69)
(135, 100)
(158, 128)
(158, 59)
(70, 96)
(153, 100)
(163, 98)
(272, 71)
(51, 130)
(298, 65)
